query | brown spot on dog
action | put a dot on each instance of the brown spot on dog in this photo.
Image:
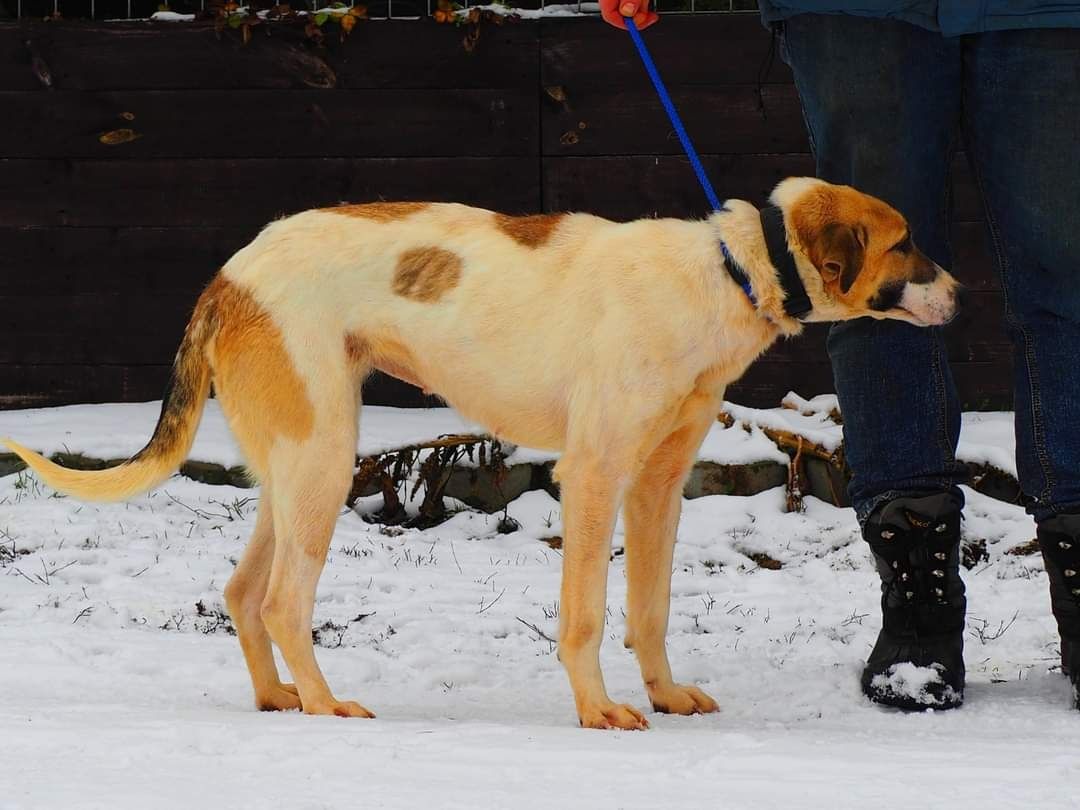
(532, 231)
(379, 211)
(255, 379)
(426, 274)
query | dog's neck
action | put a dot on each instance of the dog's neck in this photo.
(738, 227)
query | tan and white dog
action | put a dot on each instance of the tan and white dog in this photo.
(610, 342)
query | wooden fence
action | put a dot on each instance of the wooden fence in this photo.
(136, 157)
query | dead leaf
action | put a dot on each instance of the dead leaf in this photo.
(116, 137)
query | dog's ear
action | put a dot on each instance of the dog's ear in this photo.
(826, 227)
(837, 251)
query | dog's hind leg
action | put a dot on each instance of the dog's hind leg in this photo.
(244, 595)
(289, 387)
(652, 509)
(311, 480)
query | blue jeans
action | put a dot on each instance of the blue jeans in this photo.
(886, 104)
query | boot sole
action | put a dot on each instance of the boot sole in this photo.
(910, 705)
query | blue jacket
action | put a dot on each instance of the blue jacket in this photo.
(950, 17)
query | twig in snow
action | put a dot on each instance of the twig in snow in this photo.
(536, 630)
(980, 632)
(484, 607)
(86, 611)
(15, 568)
(854, 618)
(38, 579)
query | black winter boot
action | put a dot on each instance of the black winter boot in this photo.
(918, 661)
(1059, 539)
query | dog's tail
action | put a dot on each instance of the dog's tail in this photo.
(181, 410)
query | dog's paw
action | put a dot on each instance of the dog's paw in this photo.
(341, 708)
(613, 715)
(681, 699)
(282, 698)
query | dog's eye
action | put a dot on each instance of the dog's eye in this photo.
(903, 246)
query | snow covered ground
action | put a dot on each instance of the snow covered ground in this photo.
(120, 685)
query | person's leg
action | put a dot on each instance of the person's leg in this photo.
(1022, 125)
(882, 105)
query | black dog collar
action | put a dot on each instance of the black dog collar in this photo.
(796, 301)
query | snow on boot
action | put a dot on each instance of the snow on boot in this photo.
(918, 660)
(1059, 539)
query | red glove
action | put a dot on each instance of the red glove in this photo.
(613, 12)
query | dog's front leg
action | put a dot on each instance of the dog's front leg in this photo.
(590, 493)
(653, 506)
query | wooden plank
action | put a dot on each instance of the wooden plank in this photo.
(631, 186)
(44, 261)
(30, 386)
(973, 261)
(628, 186)
(627, 118)
(215, 123)
(981, 386)
(403, 54)
(966, 200)
(705, 49)
(239, 193)
(35, 11)
(420, 54)
(86, 314)
(101, 346)
(570, 181)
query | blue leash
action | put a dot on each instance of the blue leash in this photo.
(673, 114)
(688, 147)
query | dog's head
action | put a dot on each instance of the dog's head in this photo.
(857, 259)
